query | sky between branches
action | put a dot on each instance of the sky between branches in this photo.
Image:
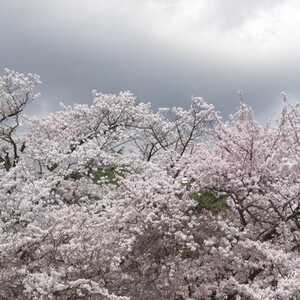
(163, 51)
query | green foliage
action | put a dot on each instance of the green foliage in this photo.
(107, 175)
(211, 201)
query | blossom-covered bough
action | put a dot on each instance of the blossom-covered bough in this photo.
(114, 200)
(16, 90)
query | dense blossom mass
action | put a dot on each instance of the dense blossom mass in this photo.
(115, 200)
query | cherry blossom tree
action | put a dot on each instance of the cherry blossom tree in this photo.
(115, 200)
(16, 91)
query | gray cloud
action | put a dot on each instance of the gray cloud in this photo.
(163, 51)
(231, 13)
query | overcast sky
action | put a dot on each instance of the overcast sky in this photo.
(164, 51)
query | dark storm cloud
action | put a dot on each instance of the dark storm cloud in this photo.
(163, 51)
